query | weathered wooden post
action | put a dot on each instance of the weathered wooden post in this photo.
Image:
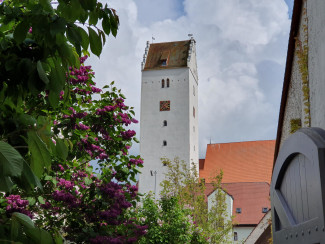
(298, 189)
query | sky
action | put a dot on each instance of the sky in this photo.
(241, 52)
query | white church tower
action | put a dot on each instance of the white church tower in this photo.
(169, 109)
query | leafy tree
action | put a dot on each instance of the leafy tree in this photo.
(168, 223)
(38, 43)
(51, 127)
(184, 183)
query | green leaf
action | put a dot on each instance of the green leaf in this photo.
(88, 181)
(11, 162)
(46, 5)
(95, 42)
(84, 37)
(48, 177)
(29, 177)
(88, 4)
(93, 18)
(58, 26)
(61, 149)
(31, 201)
(58, 239)
(14, 230)
(21, 31)
(73, 35)
(40, 155)
(39, 236)
(6, 184)
(41, 72)
(57, 81)
(67, 55)
(41, 199)
(23, 219)
(106, 24)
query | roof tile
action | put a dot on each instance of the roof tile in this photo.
(250, 161)
(176, 54)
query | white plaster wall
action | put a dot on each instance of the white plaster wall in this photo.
(242, 233)
(316, 65)
(179, 134)
(193, 97)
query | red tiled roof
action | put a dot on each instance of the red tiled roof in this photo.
(175, 53)
(201, 163)
(251, 197)
(250, 161)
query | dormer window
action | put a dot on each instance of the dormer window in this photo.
(164, 58)
(265, 210)
(238, 210)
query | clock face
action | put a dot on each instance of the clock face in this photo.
(164, 105)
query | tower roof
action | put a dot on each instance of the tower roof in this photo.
(167, 55)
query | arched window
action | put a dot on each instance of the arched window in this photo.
(164, 143)
(235, 236)
(167, 82)
(165, 122)
(162, 83)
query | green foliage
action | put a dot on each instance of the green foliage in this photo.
(48, 119)
(302, 54)
(167, 222)
(184, 183)
(295, 124)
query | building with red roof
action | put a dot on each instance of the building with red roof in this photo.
(247, 170)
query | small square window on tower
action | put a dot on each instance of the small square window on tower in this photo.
(164, 105)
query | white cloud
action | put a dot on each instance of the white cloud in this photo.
(241, 49)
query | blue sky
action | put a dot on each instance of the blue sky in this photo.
(241, 54)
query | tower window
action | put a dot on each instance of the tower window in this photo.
(165, 122)
(164, 143)
(167, 82)
(162, 83)
(193, 112)
(235, 236)
(164, 58)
